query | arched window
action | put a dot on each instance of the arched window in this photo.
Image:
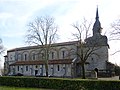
(63, 54)
(52, 55)
(33, 56)
(72, 53)
(19, 57)
(25, 56)
(42, 55)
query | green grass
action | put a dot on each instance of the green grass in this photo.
(19, 88)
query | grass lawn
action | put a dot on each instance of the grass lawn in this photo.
(19, 88)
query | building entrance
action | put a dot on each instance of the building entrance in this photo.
(36, 72)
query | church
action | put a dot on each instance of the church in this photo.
(29, 60)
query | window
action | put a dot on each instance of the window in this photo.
(91, 58)
(52, 55)
(58, 68)
(22, 70)
(26, 68)
(11, 57)
(36, 66)
(19, 57)
(63, 54)
(18, 68)
(25, 56)
(42, 55)
(33, 57)
(15, 57)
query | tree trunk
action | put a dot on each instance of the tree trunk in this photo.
(83, 71)
(46, 63)
(46, 67)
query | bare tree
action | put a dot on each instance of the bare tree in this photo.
(83, 30)
(115, 33)
(86, 46)
(43, 31)
(2, 49)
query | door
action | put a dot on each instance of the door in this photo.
(36, 72)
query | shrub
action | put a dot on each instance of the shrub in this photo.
(59, 83)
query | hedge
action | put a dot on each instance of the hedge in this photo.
(59, 84)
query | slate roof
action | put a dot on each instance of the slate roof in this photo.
(60, 61)
(41, 46)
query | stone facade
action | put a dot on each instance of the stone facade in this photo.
(28, 60)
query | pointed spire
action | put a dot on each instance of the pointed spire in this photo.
(97, 16)
(97, 25)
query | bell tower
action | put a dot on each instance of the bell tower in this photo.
(97, 39)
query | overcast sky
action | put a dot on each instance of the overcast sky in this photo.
(16, 14)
